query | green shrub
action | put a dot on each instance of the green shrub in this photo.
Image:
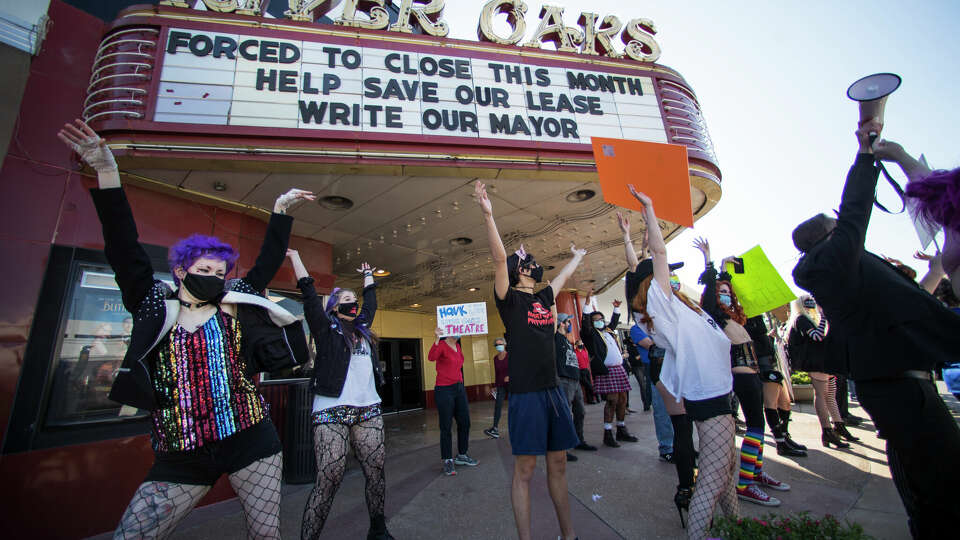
(800, 377)
(799, 526)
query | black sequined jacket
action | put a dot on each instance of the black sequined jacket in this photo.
(155, 307)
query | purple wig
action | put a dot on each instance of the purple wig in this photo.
(331, 309)
(186, 252)
(938, 198)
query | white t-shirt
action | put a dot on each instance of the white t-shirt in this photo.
(696, 364)
(614, 357)
(359, 389)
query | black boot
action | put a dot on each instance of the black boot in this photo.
(608, 439)
(682, 500)
(783, 447)
(841, 429)
(785, 426)
(829, 437)
(624, 435)
(378, 529)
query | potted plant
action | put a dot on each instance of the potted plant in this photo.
(802, 386)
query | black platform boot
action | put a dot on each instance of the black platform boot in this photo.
(608, 439)
(829, 437)
(624, 435)
(841, 429)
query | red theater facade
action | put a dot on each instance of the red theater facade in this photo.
(212, 114)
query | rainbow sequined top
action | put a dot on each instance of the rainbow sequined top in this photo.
(201, 389)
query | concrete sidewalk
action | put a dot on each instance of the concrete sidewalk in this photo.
(615, 492)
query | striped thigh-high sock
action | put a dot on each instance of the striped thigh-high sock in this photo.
(749, 451)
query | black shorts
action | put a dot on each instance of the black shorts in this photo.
(771, 376)
(205, 465)
(706, 409)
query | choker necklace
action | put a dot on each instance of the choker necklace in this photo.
(188, 305)
(519, 287)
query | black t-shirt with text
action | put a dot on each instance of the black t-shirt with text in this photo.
(529, 331)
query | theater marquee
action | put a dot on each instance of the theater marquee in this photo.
(250, 80)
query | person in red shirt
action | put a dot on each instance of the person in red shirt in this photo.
(586, 379)
(500, 392)
(451, 398)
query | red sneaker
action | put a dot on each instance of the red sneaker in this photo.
(768, 481)
(754, 494)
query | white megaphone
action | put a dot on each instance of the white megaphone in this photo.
(872, 92)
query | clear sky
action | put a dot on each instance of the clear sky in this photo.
(771, 78)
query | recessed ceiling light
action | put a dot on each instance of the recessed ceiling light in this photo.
(549, 267)
(591, 281)
(219, 186)
(461, 241)
(336, 202)
(414, 305)
(380, 272)
(472, 289)
(581, 195)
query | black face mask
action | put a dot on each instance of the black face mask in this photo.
(204, 288)
(349, 309)
(809, 304)
(536, 272)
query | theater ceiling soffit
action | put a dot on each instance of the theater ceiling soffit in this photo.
(415, 226)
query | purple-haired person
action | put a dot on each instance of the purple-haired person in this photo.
(192, 356)
(346, 404)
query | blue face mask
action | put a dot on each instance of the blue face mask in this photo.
(500, 348)
(598, 324)
(726, 300)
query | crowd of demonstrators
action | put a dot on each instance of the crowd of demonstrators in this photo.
(500, 389)
(893, 333)
(451, 398)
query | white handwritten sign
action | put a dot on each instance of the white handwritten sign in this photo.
(251, 80)
(462, 319)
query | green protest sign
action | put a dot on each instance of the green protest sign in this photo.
(760, 287)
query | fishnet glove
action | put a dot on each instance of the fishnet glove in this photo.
(96, 154)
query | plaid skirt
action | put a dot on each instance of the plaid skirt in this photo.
(614, 381)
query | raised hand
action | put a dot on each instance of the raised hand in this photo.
(934, 262)
(872, 126)
(888, 150)
(624, 223)
(702, 244)
(91, 147)
(640, 196)
(292, 253)
(577, 252)
(616, 303)
(285, 201)
(366, 269)
(480, 195)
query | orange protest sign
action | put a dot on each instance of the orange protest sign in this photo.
(659, 170)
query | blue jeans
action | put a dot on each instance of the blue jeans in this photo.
(452, 403)
(661, 420)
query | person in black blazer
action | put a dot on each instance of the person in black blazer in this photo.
(895, 333)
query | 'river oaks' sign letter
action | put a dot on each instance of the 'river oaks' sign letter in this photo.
(427, 15)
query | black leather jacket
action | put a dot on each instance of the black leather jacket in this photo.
(333, 353)
(155, 306)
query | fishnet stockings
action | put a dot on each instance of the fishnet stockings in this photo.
(330, 447)
(258, 487)
(157, 508)
(715, 484)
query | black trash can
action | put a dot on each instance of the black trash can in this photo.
(299, 463)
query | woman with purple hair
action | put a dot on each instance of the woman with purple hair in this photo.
(192, 356)
(346, 405)
(936, 196)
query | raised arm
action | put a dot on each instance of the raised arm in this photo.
(501, 281)
(313, 312)
(275, 241)
(891, 151)
(615, 318)
(624, 223)
(658, 248)
(131, 264)
(369, 309)
(558, 282)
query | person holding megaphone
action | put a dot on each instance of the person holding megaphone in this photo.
(895, 333)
